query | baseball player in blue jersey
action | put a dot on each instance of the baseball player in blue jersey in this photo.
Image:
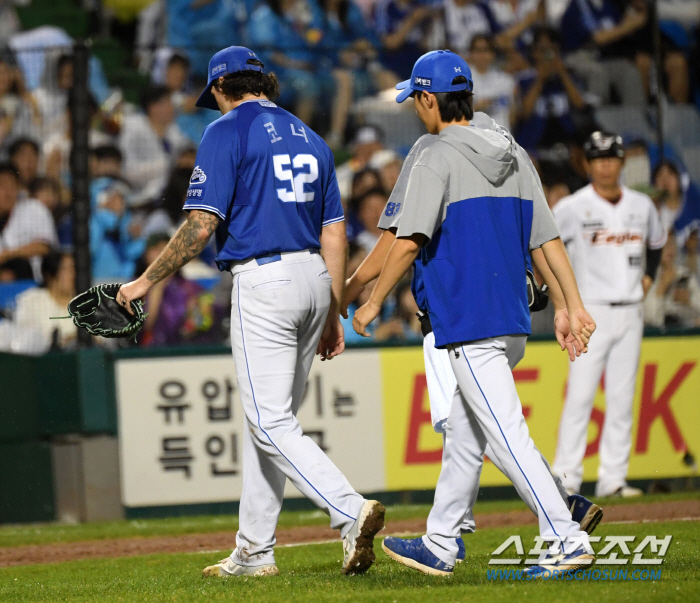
(469, 212)
(265, 184)
(438, 371)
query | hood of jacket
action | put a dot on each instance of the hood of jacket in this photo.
(490, 151)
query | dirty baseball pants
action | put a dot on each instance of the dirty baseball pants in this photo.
(441, 382)
(618, 343)
(486, 410)
(278, 312)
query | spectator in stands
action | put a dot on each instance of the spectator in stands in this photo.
(514, 21)
(493, 89)
(52, 96)
(354, 48)
(48, 192)
(114, 245)
(362, 182)
(689, 253)
(674, 298)
(555, 191)
(548, 96)
(178, 310)
(609, 44)
(35, 306)
(369, 210)
(105, 160)
(27, 230)
(402, 26)
(680, 198)
(18, 115)
(388, 164)
(24, 157)
(667, 180)
(286, 34)
(150, 143)
(464, 20)
(367, 141)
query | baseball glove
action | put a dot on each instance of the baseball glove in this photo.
(537, 297)
(97, 311)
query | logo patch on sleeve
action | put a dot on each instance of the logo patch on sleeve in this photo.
(426, 82)
(198, 176)
(220, 68)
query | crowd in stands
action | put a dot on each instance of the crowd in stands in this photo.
(541, 68)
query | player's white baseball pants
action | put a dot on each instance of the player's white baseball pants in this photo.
(277, 315)
(615, 350)
(486, 409)
(442, 383)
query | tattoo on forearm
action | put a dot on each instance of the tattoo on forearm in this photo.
(188, 242)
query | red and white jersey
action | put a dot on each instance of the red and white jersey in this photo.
(607, 242)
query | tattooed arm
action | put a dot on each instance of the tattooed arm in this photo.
(187, 243)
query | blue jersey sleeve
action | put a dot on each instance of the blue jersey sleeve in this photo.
(332, 206)
(213, 181)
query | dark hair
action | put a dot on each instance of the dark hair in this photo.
(666, 163)
(43, 182)
(236, 85)
(545, 32)
(51, 264)
(107, 151)
(179, 58)
(482, 37)
(174, 195)
(152, 95)
(357, 203)
(156, 239)
(8, 168)
(20, 142)
(343, 9)
(362, 173)
(63, 60)
(455, 106)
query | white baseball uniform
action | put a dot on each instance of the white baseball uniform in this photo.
(607, 243)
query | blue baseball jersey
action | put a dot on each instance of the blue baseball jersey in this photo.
(583, 18)
(269, 178)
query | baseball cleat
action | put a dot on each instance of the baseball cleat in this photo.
(461, 550)
(358, 545)
(627, 492)
(413, 553)
(553, 565)
(227, 567)
(584, 512)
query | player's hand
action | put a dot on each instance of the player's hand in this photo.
(364, 316)
(332, 341)
(582, 327)
(562, 331)
(350, 294)
(131, 291)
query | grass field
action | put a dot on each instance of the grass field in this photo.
(312, 572)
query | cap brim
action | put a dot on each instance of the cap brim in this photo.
(207, 100)
(406, 91)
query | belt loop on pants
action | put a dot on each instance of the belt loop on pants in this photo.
(268, 259)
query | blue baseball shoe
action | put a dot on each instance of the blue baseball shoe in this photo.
(584, 512)
(413, 553)
(462, 550)
(553, 565)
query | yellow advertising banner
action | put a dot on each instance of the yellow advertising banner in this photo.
(666, 412)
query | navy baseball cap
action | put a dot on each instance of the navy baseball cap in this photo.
(228, 60)
(434, 72)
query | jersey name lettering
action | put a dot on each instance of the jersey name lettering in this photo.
(604, 237)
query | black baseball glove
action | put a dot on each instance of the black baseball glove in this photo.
(97, 311)
(537, 297)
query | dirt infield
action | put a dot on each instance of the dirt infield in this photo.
(192, 543)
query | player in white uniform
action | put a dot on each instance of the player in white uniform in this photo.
(472, 211)
(614, 237)
(439, 376)
(266, 184)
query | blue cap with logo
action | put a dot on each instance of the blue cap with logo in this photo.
(228, 60)
(434, 72)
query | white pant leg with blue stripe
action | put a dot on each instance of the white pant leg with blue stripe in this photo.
(442, 384)
(487, 410)
(277, 315)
